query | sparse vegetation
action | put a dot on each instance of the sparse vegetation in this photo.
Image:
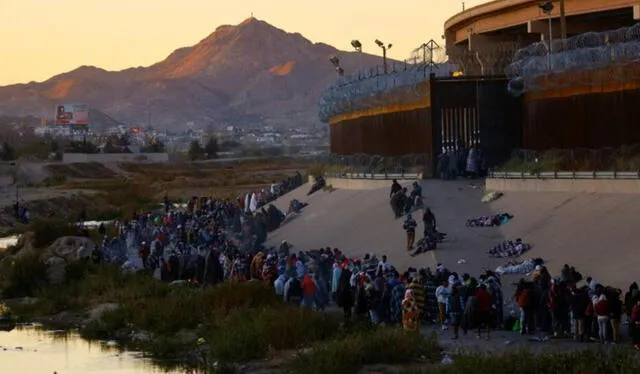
(626, 158)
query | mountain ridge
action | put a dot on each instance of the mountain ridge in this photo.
(252, 73)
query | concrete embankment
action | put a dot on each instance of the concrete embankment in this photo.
(596, 232)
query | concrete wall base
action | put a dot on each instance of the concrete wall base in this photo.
(564, 185)
(362, 184)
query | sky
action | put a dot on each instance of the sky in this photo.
(42, 38)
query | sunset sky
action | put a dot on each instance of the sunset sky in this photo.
(41, 38)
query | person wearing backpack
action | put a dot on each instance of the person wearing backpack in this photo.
(293, 291)
(601, 307)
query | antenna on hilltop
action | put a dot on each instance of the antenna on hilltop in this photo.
(251, 14)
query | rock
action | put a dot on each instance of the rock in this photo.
(142, 336)
(62, 252)
(67, 247)
(56, 269)
(95, 314)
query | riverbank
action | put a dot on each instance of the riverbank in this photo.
(245, 326)
(187, 326)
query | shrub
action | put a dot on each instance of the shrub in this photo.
(251, 334)
(22, 277)
(378, 346)
(154, 306)
(46, 231)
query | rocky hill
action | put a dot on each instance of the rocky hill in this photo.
(251, 73)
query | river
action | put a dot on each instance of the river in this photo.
(29, 350)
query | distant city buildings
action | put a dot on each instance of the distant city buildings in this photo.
(179, 141)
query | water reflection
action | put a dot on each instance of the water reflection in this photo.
(29, 350)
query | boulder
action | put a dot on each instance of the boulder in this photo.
(63, 251)
(95, 314)
(56, 269)
(67, 248)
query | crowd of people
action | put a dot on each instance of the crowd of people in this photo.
(216, 240)
(457, 160)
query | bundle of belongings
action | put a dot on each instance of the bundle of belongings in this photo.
(490, 221)
(318, 185)
(491, 196)
(509, 249)
(520, 267)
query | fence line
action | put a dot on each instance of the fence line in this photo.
(372, 166)
(591, 58)
(583, 175)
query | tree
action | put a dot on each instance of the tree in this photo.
(109, 147)
(211, 149)
(154, 147)
(123, 141)
(7, 153)
(196, 152)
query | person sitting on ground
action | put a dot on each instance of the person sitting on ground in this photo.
(318, 185)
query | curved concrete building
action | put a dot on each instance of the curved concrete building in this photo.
(524, 22)
(483, 39)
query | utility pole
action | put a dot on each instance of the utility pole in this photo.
(563, 21)
(431, 45)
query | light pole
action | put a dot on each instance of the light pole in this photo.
(358, 47)
(384, 53)
(335, 61)
(547, 8)
(563, 21)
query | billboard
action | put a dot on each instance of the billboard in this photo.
(72, 114)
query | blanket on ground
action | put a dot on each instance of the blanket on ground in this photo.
(490, 221)
(509, 249)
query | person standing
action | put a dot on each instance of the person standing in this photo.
(455, 308)
(484, 307)
(410, 227)
(429, 221)
(442, 295)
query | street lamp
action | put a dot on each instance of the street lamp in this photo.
(356, 45)
(335, 61)
(384, 53)
(547, 8)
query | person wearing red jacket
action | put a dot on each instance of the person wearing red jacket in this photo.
(484, 308)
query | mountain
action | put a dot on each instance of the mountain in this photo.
(249, 74)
